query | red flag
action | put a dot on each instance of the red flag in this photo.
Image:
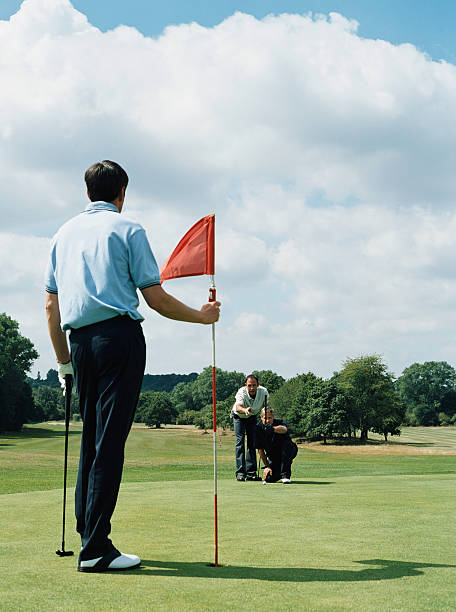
(195, 253)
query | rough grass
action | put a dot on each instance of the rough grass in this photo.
(354, 532)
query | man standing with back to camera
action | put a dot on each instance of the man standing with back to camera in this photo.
(97, 262)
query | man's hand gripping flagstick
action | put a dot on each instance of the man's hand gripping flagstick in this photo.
(195, 256)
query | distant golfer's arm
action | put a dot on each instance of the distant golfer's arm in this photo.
(171, 308)
(280, 429)
(264, 459)
(58, 337)
(241, 410)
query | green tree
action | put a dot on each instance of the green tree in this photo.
(165, 382)
(51, 380)
(370, 390)
(269, 379)
(17, 354)
(227, 383)
(390, 414)
(327, 411)
(427, 389)
(448, 403)
(426, 414)
(182, 397)
(289, 401)
(187, 417)
(224, 419)
(204, 418)
(50, 402)
(16, 402)
(156, 408)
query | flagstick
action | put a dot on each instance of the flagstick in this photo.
(177, 265)
(212, 298)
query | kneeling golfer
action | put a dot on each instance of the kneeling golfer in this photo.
(275, 447)
(97, 262)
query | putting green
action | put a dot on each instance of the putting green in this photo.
(367, 543)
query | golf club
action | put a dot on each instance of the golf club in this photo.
(68, 386)
(265, 422)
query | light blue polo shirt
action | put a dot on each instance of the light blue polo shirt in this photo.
(97, 261)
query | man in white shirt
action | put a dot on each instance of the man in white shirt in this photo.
(250, 399)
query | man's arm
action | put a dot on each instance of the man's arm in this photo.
(279, 429)
(263, 457)
(58, 337)
(171, 308)
(239, 407)
(267, 470)
(241, 410)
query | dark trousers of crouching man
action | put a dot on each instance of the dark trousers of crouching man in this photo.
(108, 360)
(280, 458)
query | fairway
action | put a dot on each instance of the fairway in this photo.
(353, 532)
(426, 439)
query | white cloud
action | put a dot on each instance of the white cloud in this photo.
(328, 159)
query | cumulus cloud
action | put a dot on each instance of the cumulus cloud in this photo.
(328, 159)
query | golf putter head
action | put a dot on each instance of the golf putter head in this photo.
(64, 553)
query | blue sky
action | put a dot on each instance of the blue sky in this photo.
(428, 25)
(324, 145)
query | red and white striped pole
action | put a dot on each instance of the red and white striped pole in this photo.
(212, 298)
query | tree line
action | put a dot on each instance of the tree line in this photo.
(363, 396)
(151, 382)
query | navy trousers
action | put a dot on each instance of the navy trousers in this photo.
(245, 465)
(280, 460)
(108, 360)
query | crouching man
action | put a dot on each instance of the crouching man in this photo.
(275, 447)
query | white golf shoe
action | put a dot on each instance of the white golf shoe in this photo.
(286, 481)
(106, 564)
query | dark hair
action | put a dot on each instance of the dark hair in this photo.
(105, 180)
(251, 376)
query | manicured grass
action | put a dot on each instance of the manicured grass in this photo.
(176, 454)
(426, 438)
(353, 532)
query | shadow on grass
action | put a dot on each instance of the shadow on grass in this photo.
(37, 432)
(356, 442)
(386, 570)
(417, 444)
(310, 482)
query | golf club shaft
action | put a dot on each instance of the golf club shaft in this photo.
(265, 423)
(68, 386)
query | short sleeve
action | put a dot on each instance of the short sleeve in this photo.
(49, 276)
(240, 396)
(143, 267)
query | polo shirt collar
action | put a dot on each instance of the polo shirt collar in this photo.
(101, 206)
